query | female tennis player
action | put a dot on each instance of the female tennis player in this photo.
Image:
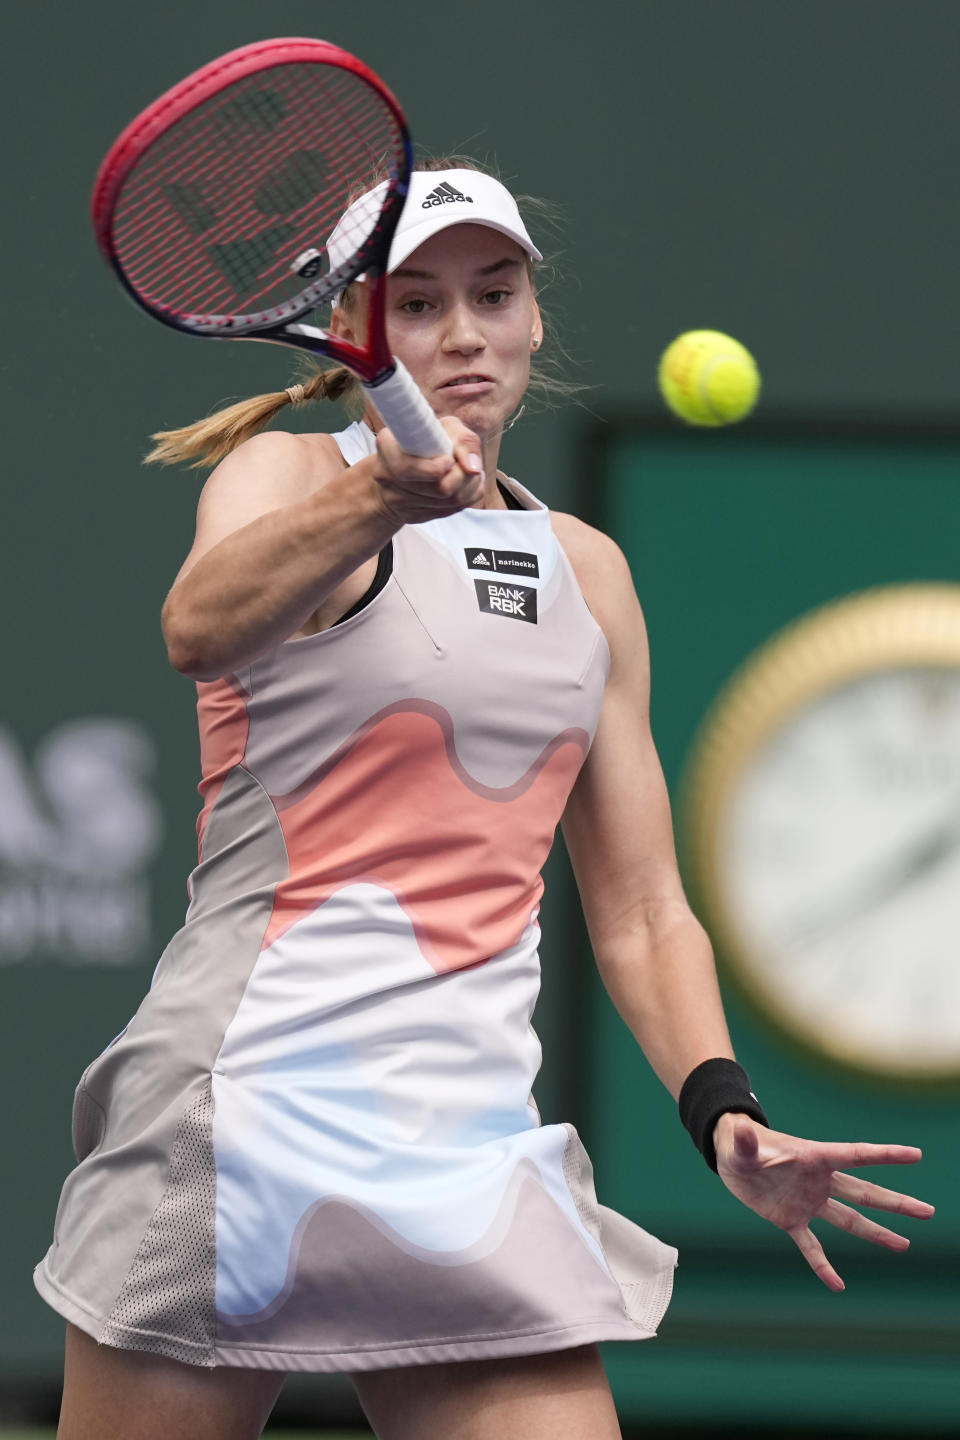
(314, 1147)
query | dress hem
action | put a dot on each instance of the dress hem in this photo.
(534, 1342)
(381, 1357)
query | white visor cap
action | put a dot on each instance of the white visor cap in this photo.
(436, 199)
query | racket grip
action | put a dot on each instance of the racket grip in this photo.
(415, 427)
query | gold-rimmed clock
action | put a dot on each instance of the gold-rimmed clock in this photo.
(821, 821)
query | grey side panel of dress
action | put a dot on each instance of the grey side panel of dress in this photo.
(142, 1111)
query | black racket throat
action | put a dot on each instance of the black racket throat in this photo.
(317, 341)
(370, 358)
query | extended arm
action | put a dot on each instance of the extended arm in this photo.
(654, 956)
(652, 953)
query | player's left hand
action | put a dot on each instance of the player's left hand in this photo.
(790, 1181)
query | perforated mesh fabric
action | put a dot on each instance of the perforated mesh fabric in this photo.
(166, 1303)
(580, 1184)
(631, 1254)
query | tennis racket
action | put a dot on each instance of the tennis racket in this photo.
(215, 205)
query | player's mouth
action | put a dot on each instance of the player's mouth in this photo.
(471, 384)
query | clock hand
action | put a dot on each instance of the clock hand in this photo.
(922, 856)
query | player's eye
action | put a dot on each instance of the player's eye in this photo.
(415, 307)
(495, 297)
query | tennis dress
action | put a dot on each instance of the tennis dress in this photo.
(314, 1146)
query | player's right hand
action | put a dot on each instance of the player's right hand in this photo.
(414, 488)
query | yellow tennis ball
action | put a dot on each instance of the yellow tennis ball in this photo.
(708, 378)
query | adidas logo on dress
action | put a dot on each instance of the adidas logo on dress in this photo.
(445, 195)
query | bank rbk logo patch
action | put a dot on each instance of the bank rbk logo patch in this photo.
(498, 597)
(506, 562)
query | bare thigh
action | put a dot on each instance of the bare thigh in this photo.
(111, 1394)
(562, 1396)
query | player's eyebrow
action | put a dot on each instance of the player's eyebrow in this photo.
(407, 272)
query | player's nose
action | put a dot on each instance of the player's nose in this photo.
(463, 331)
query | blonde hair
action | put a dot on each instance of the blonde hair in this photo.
(208, 441)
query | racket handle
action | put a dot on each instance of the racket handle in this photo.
(415, 427)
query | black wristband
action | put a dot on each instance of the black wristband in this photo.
(709, 1091)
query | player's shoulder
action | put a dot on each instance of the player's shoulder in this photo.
(603, 574)
(592, 553)
(281, 452)
(276, 463)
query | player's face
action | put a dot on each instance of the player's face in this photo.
(462, 317)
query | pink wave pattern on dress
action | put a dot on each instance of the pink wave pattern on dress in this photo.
(224, 727)
(499, 793)
(397, 809)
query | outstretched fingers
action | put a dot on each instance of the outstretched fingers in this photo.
(844, 1155)
(856, 1224)
(875, 1197)
(813, 1252)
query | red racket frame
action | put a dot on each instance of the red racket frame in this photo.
(369, 361)
(396, 395)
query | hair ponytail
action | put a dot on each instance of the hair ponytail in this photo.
(208, 441)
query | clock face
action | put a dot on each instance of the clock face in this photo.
(821, 820)
(837, 856)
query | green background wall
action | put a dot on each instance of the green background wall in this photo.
(783, 171)
(730, 536)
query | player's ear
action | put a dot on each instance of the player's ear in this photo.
(348, 317)
(341, 324)
(536, 328)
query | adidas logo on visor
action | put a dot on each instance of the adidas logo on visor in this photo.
(445, 195)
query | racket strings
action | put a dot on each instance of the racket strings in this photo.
(147, 204)
(216, 211)
(186, 150)
(279, 181)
